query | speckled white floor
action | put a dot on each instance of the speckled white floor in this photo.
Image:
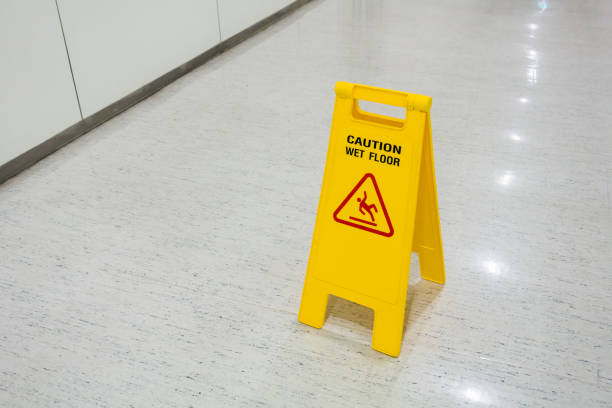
(158, 261)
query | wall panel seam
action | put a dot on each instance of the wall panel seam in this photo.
(76, 92)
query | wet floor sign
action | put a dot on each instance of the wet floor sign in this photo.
(378, 204)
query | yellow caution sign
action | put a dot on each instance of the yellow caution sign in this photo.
(378, 204)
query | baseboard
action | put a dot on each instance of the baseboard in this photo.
(37, 153)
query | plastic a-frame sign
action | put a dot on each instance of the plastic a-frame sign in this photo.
(378, 204)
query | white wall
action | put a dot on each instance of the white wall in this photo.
(115, 48)
(37, 98)
(236, 15)
(118, 46)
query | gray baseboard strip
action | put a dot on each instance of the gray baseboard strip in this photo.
(37, 153)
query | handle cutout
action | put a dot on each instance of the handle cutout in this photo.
(379, 113)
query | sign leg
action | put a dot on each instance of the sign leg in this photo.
(388, 330)
(314, 304)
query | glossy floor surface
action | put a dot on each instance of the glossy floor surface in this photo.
(159, 260)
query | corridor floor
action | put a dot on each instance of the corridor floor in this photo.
(158, 261)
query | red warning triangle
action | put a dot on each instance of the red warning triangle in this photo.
(365, 209)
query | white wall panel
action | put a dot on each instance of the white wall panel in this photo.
(37, 98)
(118, 46)
(236, 15)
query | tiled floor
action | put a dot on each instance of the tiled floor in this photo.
(159, 260)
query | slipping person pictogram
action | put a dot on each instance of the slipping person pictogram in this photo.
(364, 207)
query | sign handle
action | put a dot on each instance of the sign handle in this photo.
(385, 96)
